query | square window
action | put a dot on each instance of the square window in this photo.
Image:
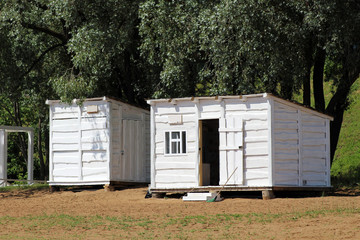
(175, 142)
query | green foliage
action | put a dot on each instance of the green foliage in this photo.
(229, 47)
(135, 50)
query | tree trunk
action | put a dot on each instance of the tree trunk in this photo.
(22, 144)
(336, 108)
(318, 79)
(306, 88)
(306, 82)
(339, 102)
(41, 156)
(128, 78)
(46, 134)
(286, 89)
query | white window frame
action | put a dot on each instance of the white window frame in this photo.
(171, 140)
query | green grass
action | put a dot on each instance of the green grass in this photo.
(83, 227)
(36, 186)
(346, 166)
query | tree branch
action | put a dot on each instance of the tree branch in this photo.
(8, 110)
(39, 58)
(45, 30)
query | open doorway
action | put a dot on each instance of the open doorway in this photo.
(209, 152)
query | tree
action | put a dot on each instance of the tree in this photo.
(237, 47)
(67, 49)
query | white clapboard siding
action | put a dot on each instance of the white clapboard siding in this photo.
(65, 115)
(183, 108)
(94, 146)
(92, 124)
(94, 136)
(65, 146)
(174, 178)
(69, 157)
(314, 167)
(87, 142)
(175, 165)
(233, 105)
(286, 144)
(66, 179)
(258, 182)
(257, 161)
(71, 170)
(182, 172)
(65, 125)
(251, 174)
(209, 115)
(208, 106)
(90, 156)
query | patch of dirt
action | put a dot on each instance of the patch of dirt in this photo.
(131, 203)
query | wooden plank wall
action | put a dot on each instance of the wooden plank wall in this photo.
(116, 139)
(314, 165)
(255, 133)
(300, 147)
(181, 171)
(286, 162)
(147, 148)
(79, 143)
(95, 142)
(65, 137)
(130, 145)
(175, 171)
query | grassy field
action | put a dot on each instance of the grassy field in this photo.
(126, 214)
(78, 227)
(346, 165)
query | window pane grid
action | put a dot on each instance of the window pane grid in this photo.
(175, 142)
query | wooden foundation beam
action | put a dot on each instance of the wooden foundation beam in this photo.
(109, 188)
(54, 188)
(158, 195)
(267, 195)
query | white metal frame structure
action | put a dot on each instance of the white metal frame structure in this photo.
(4, 130)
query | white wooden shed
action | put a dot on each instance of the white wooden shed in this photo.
(101, 141)
(274, 144)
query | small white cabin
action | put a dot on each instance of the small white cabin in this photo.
(255, 142)
(101, 141)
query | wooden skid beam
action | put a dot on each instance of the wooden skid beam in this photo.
(238, 189)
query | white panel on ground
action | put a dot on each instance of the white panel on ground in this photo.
(206, 196)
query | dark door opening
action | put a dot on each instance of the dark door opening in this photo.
(209, 169)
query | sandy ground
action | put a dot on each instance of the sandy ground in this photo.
(335, 217)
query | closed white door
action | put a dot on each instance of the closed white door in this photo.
(231, 150)
(132, 150)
